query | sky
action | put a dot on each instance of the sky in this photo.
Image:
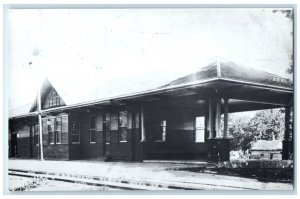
(108, 44)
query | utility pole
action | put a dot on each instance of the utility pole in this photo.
(37, 71)
(39, 109)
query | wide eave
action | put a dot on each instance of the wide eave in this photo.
(246, 88)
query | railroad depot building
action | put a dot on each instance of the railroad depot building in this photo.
(177, 120)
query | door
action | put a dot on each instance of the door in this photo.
(133, 136)
(14, 147)
(106, 134)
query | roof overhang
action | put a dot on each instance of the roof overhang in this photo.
(253, 96)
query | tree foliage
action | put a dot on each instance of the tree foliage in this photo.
(264, 125)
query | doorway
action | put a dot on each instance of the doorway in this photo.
(106, 134)
(14, 145)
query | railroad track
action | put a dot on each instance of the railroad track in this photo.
(121, 184)
(94, 181)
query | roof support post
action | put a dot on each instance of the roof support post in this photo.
(287, 131)
(211, 126)
(287, 143)
(225, 117)
(218, 148)
(143, 134)
(39, 108)
(218, 118)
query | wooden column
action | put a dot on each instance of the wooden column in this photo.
(143, 135)
(39, 108)
(218, 118)
(210, 119)
(219, 148)
(225, 117)
(287, 143)
(30, 139)
(287, 123)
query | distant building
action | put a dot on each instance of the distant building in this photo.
(236, 155)
(133, 121)
(267, 150)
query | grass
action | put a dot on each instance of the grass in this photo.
(283, 175)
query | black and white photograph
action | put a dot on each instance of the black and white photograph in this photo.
(110, 99)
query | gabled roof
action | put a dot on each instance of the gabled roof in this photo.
(265, 145)
(46, 87)
(76, 91)
(229, 70)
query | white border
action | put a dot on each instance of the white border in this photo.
(4, 101)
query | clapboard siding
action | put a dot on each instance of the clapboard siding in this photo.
(23, 147)
(179, 144)
(45, 101)
(180, 136)
(56, 151)
(85, 149)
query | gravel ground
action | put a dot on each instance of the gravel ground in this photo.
(158, 172)
(38, 184)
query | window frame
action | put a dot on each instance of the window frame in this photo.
(161, 129)
(50, 133)
(137, 125)
(54, 99)
(56, 130)
(92, 129)
(120, 128)
(36, 135)
(78, 134)
(202, 129)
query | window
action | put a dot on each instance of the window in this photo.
(54, 99)
(57, 101)
(199, 129)
(54, 130)
(75, 133)
(51, 132)
(92, 127)
(162, 131)
(36, 134)
(58, 130)
(137, 126)
(123, 124)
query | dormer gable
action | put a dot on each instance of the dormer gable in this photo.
(50, 98)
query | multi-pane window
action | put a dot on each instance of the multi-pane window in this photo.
(92, 129)
(75, 133)
(58, 130)
(36, 134)
(54, 99)
(54, 130)
(123, 125)
(200, 129)
(162, 131)
(51, 132)
(137, 126)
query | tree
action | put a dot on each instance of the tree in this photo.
(265, 125)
